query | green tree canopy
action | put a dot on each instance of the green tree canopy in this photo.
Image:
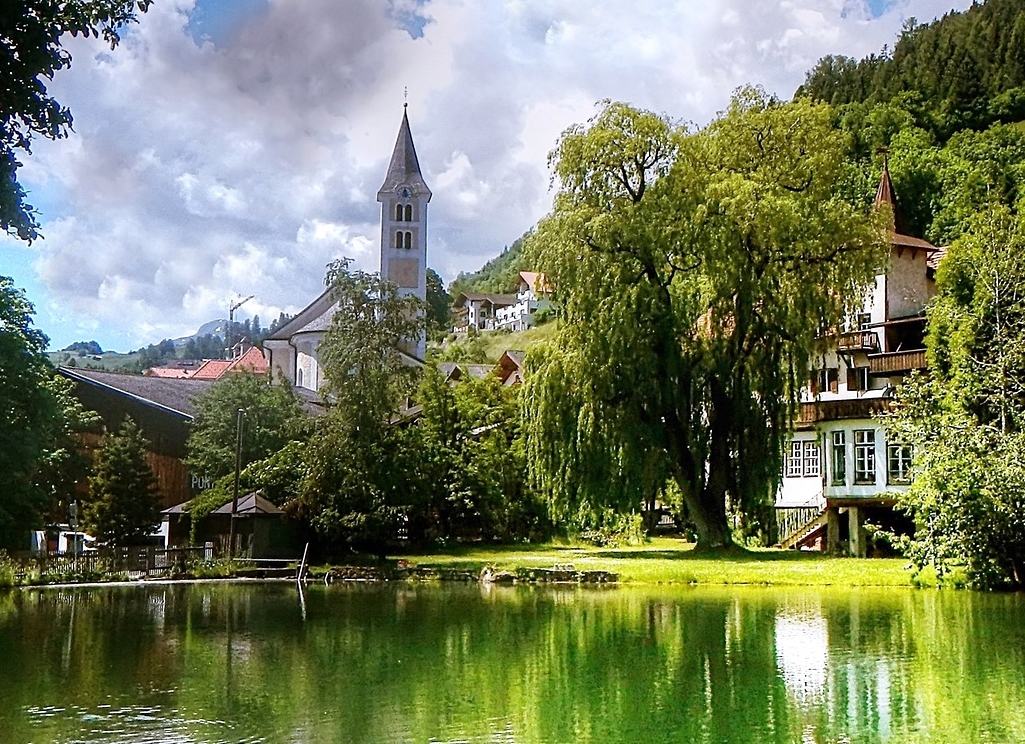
(963, 71)
(439, 305)
(695, 272)
(966, 422)
(354, 486)
(37, 452)
(273, 416)
(470, 465)
(123, 507)
(32, 33)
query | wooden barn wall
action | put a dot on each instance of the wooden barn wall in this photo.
(166, 432)
(171, 473)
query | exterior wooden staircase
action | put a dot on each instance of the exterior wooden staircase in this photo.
(799, 528)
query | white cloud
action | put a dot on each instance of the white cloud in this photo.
(203, 171)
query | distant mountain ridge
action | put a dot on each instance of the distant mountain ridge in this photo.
(215, 327)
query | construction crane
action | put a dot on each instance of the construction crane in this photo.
(232, 307)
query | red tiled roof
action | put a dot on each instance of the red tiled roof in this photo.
(252, 361)
(171, 372)
(212, 369)
(537, 282)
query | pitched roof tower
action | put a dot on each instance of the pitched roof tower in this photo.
(404, 197)
(404, 168)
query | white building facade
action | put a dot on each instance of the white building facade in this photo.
(839, 461)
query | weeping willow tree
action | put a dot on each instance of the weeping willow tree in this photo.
(695, 272)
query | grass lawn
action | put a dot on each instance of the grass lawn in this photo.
(498, 342)
(669, 561)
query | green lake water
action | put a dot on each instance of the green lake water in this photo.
(428, 663)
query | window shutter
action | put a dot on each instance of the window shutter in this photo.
(853, 379)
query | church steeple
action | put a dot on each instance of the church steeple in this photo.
(404, 169)
(404, 196)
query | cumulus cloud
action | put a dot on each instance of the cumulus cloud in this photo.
(205, 167)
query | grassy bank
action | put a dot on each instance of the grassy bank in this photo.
(667, 561)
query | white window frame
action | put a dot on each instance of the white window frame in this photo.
(838, 457)
(864, 457)
(812, 459)
(794, 459)
(804, 459)
(901, 456)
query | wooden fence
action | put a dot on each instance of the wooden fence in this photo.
(129, 563)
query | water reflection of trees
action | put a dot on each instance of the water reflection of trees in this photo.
(518, 664)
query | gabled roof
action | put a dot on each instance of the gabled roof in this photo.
(252, 361)
(455, 371)
(172, 395)
(510, 367)
(212, 369)
(252, 504)
(314, 317)
(171, 372)
(537, 282)
(404, 168)
(502, 300)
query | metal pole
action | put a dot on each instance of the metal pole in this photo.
(73, 513)
(238, 467)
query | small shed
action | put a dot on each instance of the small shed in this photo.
(262, 529)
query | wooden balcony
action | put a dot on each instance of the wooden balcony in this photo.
(858, 341)
(897, 362)
(832, 410)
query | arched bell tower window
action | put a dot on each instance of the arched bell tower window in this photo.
(409, 240)
(398, 239)
(409, 213)
(398, 213)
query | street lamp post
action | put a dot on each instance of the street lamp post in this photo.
(238, 467)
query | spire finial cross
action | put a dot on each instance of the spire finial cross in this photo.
(405, 96)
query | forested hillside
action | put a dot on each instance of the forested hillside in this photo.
(946, 105)
(964, 71)
(500, 274)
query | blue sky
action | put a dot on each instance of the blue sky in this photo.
(235, 147)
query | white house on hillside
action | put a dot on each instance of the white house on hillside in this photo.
(479, 310)
(839, 461)
(531, 295)
(490, 312)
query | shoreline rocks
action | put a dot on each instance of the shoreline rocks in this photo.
(558, 574)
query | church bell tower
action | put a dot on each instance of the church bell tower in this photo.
(404, 197)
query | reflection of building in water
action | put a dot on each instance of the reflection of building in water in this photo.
(802, 655)
(845, 669)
